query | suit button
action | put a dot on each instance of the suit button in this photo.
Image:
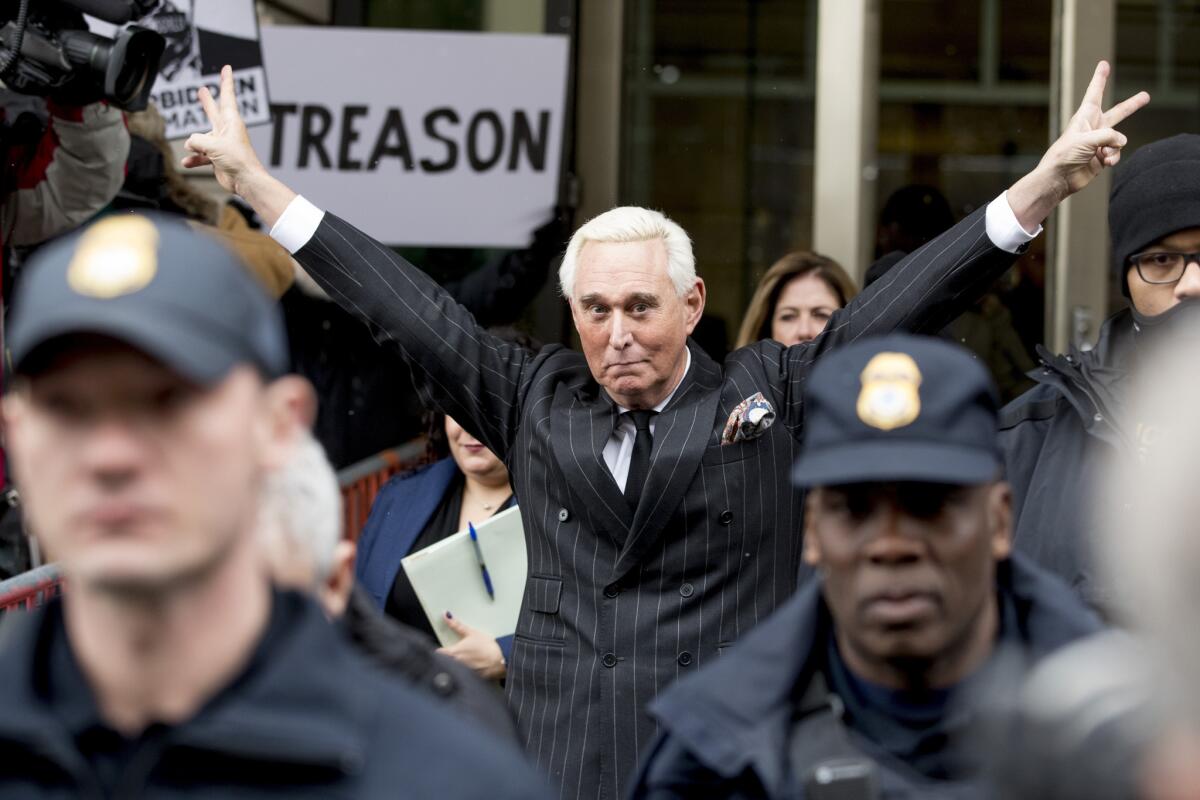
(685, 659)
(609, 660)
(563, 515)
(726, 517)
(611, 591)
(687, 590)
(443, 684)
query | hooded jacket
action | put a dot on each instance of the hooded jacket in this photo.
(1056, 438)
(753, 724)
(307, 718)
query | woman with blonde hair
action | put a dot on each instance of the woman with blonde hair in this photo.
(795, 298)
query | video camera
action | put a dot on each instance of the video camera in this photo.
(48, 50)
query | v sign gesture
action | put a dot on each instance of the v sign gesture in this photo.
(1088, 145)
(235, 164)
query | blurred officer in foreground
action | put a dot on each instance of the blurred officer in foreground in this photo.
(1057, 435)
(1117, 716)
(858, 686)
(301, 530)
(149, 407)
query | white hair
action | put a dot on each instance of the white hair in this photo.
(302, 502)
(632, 224)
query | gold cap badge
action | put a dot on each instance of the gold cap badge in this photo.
(116, 256)
(889, 397)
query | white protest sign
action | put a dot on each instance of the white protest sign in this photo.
(419, 137)
(202, 36)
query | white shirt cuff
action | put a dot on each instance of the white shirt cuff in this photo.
(1002, 227)
(299, 221)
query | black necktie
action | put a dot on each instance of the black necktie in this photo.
(639, 464)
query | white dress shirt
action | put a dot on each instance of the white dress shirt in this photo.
(299, 221)
(618, 450)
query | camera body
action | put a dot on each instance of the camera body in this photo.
(46, 49)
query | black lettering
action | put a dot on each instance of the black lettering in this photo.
(315, 122)
(429, 165)
(484, 164)
(279, 113)
(248, 106)
(393, 127)
(349, 137)
(193, 118)
(522, 136)
(246, 84)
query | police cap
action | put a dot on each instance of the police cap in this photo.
(156, 284)
(899, 408)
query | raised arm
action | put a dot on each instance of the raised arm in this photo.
(940, 280)
(74, 171)
(457, 367)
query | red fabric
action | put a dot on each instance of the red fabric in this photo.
(30, 167)
(69, 113)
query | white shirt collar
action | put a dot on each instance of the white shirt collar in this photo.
(687, 365)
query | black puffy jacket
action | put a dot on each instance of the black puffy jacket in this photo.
(1056, 440)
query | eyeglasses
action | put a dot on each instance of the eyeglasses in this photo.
(1162, 267)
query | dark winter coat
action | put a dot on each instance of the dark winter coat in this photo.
(756, 722)
(1056, 439)
(308, 718)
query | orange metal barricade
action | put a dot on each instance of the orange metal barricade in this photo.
(360, 483)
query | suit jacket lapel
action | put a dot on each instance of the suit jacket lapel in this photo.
(580, 426)
(681, 434)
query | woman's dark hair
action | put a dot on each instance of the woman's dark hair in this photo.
(434, 422)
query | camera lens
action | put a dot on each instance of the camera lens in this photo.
(124, 68)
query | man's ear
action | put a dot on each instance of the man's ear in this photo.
(300, 398)
(290, 409)
(694, 302)
(1000, 518)
(812, 548)
(12, 409)
(334, 593)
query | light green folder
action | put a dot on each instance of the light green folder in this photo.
(446, 577)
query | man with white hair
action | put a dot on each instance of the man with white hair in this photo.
(300, 530)
(659, 520)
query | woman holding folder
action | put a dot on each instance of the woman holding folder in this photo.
(421, 508)
(467, 484)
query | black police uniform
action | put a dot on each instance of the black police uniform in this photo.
(305, 718)
(782, 703)
(756, 722)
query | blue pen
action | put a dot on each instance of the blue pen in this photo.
(487, 579)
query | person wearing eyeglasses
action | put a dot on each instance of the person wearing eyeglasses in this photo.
(1058, 435)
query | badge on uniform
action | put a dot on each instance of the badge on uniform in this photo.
(889, 398)
(749, 420)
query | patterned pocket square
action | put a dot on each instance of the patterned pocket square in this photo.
(749, 420)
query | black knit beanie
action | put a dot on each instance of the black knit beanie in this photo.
(1155, 193)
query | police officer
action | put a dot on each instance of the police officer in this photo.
(859, 684)
(149, 406)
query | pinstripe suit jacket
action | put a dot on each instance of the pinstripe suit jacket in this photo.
(619, 603)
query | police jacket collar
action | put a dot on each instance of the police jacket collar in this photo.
(291, 707)
(737, 713)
